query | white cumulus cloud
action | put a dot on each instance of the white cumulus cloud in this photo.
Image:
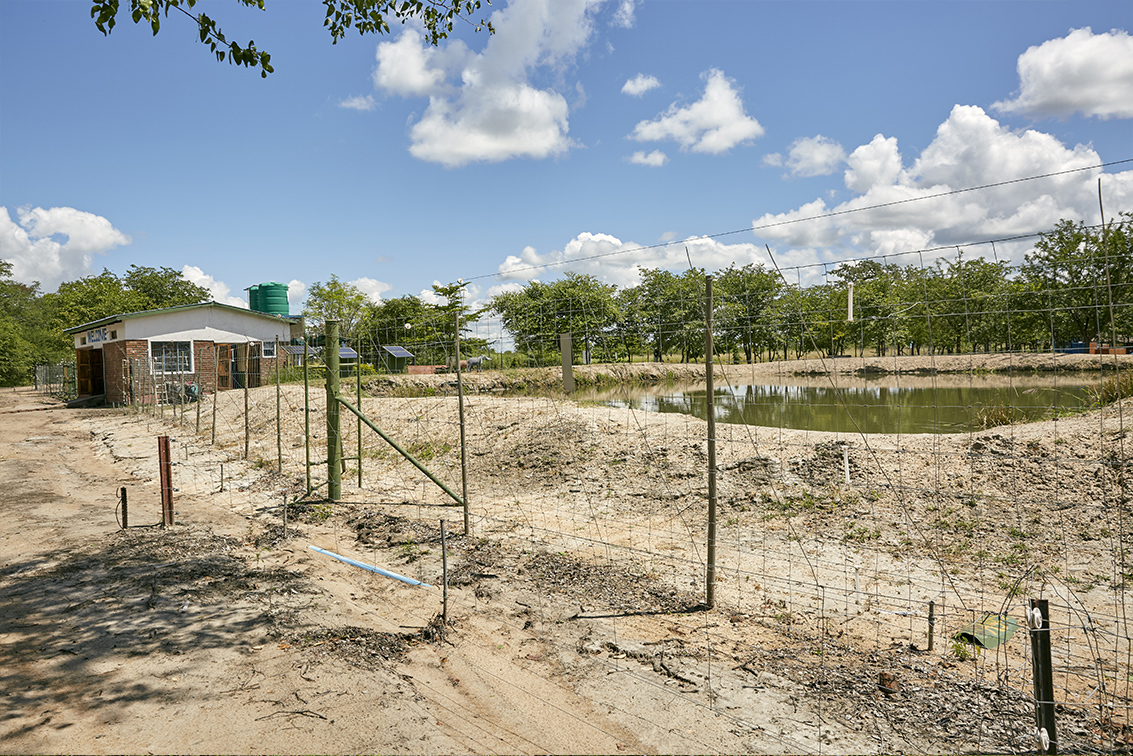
(218, 290)
(713, 124)
(56, 244)
(372, 288)
(970, 149)
(296, 295)
(639, 85)
(611, 260)
(483, 106)
(1081, 72)
(654, 159)
(814, 156)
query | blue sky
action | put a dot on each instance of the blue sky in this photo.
(579, 128)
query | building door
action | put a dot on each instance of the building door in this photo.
(88, 365)
(223, 367)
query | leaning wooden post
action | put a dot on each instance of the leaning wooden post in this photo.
(463, 449)
(334, 427)
(710, 593)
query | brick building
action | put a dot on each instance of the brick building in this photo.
(163, 355)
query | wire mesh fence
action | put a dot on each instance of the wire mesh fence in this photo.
(901, 465)
(56, 380)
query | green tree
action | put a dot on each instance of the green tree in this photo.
(438, 17)
(1077, 281)
(18, 304)
(577, 304)
(334, 300)
(100, 296)
(162, 287)
(743, 311)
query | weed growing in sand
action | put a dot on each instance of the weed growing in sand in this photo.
(964, 651)
(996, 415)
(1113, 389)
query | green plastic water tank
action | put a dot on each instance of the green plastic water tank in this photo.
(254, 298)
(272, 298)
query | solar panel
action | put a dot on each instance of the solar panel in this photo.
(397, 351)
(346, 353)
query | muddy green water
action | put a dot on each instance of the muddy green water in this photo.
(945, 404)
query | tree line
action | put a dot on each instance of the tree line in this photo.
(32, 323)
(1075, 285)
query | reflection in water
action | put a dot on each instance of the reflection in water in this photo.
(861, 408)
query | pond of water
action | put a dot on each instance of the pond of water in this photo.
(895, 404)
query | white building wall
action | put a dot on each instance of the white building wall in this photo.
(199, 324)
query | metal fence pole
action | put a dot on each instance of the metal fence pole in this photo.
(710, 592)
(1038, 619)
(247, 428)
(200, 394)
(358, 377)
(334, 426)
(463, 447)
(278, 414)
(215, 388)
(307, 413)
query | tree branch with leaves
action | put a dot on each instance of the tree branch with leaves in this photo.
(438, 17)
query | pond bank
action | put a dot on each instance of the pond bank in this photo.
(653, 373)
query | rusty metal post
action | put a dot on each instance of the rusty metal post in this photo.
(1038, 620)
(125, 510)
(444, 571)
(165, 468)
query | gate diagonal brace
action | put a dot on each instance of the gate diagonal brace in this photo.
(452, 494)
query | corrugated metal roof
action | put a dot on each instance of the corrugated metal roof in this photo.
(144, 313)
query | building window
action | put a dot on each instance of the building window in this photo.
(268, 350)
(113, 335)
(172, 356)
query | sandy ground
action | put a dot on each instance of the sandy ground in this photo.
(574, 618)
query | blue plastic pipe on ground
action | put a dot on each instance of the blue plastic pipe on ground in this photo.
(370, 567)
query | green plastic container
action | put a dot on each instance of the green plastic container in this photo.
(270, 297)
